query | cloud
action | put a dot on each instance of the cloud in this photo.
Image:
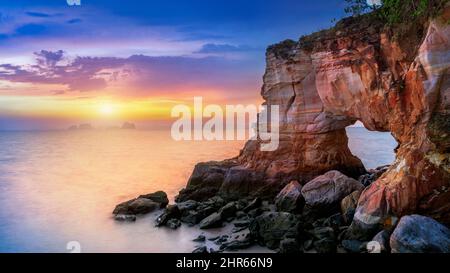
(74, 21)
(38, 14)
(140, 72)
(222, 48)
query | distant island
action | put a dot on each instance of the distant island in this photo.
(88, 126)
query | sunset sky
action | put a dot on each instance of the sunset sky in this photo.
(112, 61)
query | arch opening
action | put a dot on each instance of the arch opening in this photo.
(374, 148)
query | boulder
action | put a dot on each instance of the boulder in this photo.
(136, 206)
(158, 197)
(240, 182)
(325, 245)
(289, 246)
(229, 210)
(271, 227)
(173, 223)
(419, 234)
(348, 206)
(290, 198)
(212, 221)
(125, 217)
(205, 181)
(200, 249)
(171, 212)
(326, 191)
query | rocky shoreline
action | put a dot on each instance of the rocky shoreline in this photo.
(313, 218)
(312, 194)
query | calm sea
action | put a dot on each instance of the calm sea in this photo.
(61, 186)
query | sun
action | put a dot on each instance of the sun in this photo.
(106, 109)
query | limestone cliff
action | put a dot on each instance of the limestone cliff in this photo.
(394, 81)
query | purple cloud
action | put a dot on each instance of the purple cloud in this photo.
(146, 73)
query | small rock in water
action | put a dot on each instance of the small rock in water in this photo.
(201, 249)
(158, 197)
(173, 223)
(125, 217)
(136, 206)
(212, 221)
(229, 210)
(200, 238)
(236, 245)
(171, 212)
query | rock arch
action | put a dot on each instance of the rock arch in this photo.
(360, 71)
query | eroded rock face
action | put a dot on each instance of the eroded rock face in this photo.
(359, 70)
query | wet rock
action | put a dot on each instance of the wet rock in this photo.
(240, 182)
(290, 198)
(173, 223)
(200, 238)
(325, 245)
(353, 246)
(236, 245)
(256, 203)
(136, 206)
(255, 212)
(193, 217)
(158, 197)
(323, 233)
(326, 191)
(212, 221)
(271, 227)
(171, 212)
(242, 224)
(308, 244)
(229, 210)
(201, 249)
(382, 238)
(240, 215)
(205, 181)
(289, 246)
(222, 239)
(348, 206)
(419, 234)
(334, 221)
(125, 217)
(187, 205)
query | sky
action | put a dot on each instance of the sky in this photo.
(109, 61)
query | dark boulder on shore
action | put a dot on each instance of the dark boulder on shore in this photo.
(420, 234)
(290, 199)
(144, 204)
(325, 192)
(205, 181)
(136, 206)
(271, 227)
(158, 197)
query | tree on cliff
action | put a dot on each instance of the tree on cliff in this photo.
(396, 11)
